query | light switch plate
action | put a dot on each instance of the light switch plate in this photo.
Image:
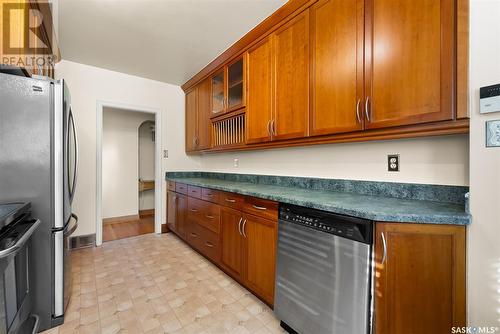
(493, 133)
(489, 99)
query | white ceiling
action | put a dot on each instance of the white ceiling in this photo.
(165, 40)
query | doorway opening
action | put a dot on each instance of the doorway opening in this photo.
(128, 173)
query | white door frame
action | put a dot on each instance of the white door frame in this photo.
(158, 168)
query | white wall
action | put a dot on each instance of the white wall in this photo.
(437, 160)
(484, 232)
(90, 84)
(146, 165)
(120, 161)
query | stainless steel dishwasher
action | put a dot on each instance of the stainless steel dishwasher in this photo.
(323, 276)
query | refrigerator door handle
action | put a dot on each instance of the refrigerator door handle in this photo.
(75, 167)
(73, 227)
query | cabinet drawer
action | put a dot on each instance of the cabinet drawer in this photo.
(210, 195)
(205, 214)
(231, 200)
(194, 191)
(193, 237)
(209, 245)
(181, 188)
(261, 207)
(205, 241)
(171, 185)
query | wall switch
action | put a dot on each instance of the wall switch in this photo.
(236, 162)
(393, 162)
(493, 133)
(165, 154)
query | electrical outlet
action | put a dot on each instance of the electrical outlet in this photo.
(236, 162)
(165, 154)
(393, 162)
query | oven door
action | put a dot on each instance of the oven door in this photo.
(15, 297)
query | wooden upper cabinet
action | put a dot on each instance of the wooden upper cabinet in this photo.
(203, 120)
(291, 68)
(260, 255)
(198, 125)
(337, 66)
(259, 110)
(419, 278)
(191, 119)
(228, 87)
(410, 61)
(218, 92)
(236, 84)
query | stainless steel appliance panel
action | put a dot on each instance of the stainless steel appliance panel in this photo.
(323, 281)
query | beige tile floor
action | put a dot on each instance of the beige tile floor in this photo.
(158, 284)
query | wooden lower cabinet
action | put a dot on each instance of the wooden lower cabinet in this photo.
(172, 211)
(232, 242)
(260, 255)
(181, 222)
(419, 278)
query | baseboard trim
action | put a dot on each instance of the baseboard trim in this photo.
(146, 213)
(82, 241)
(164, 228)
(119, 219)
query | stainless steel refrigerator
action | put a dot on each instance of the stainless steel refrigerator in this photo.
(38, 164)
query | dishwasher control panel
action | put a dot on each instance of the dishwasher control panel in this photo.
(343, 226)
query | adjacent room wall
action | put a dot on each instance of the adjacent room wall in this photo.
(483, 293)
(90, 84)
(120, 161)
(146, 165)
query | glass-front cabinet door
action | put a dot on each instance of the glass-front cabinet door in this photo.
(228, 87)
(218, 96)
(235, 87)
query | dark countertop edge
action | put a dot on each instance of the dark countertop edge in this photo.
(433, 219)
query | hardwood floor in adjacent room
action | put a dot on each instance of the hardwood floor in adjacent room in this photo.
(130, 228)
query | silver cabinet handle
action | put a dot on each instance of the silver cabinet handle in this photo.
(209, 217)
(243, 228)
(194, 235)
(259, 207)
(208, 244)
(269, 127)
(230, 200)
(384, 244)
(239, 225)
(273, 127)
(193, 210)
(367, 110)
(357, 111)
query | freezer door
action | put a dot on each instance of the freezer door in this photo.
(62, 267)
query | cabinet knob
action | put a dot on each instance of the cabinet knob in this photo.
(230, 200)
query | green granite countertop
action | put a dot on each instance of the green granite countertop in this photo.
(378, 208)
